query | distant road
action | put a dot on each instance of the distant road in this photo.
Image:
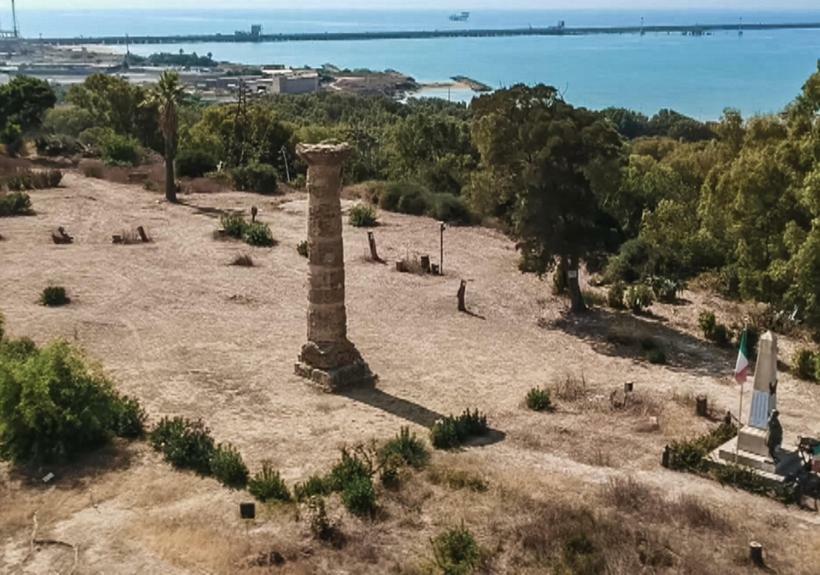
(695, 30)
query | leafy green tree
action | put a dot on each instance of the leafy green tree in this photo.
(23, 103)
(166, 96)
(551, 164)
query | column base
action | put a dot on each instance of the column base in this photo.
(348, 370)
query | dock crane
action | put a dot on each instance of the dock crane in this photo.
(14, 33)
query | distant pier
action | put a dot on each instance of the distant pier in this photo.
(693, 30)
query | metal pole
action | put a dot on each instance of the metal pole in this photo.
(441, 246)
(285, 157)
(14, 18)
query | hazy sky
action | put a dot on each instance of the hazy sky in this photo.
(745, 5)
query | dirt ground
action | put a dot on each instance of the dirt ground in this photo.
(176, 326)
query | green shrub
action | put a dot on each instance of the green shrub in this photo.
(452, 431)
(690, 455)
(315, 485)
(615, 295)
(130, 418)
(320, 526)
(456, 552)
(350, 467)
(54, 296)
(119, 150)
(268, 485)
(184, 443)
(665, 289)
(303, 249)
(359, 496)
(538, 399)
(406, 447)
(450, 208)
(804, 361)
(15, 204)
(259, 178)
(228, 467)
(195, 163)
(714, 331)
(362, 216)
(638, 297)
(258, 234)
(53, 405)
(58, 145)
(234, 225)
(404, 197)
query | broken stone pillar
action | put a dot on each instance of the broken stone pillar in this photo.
(328, 358)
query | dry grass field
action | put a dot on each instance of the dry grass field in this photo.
(173, 324)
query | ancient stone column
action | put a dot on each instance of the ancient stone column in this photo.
(328, 358)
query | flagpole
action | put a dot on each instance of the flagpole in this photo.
(739, 420)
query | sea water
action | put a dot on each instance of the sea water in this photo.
(756, 72)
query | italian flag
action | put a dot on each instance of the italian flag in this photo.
(742, 365)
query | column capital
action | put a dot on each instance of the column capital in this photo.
(324, 154)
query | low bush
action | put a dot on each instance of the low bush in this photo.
(243, 260)
(615, 295)
(656, 356)
(456, 552)
(184, 443)
(457, 479)
(58, 145)
(259, 178)
(414, 199)
(195, 163)
(258, 234)
(130, 417)
(452, 431)
(359, 496)
(228, 467)
(234, 225)
(320, 526)
(313, 486)
(665, 289)
(268, 485)
(538, 399)
(54, 296)
(407, 447)
(450, 208)
(593, 298)
(638, 297)
(303, 249)
(93, 169)
(350, 467)
(712, 330)
(362, 216)
(690, 455)
(119, 150)
(24, 179)
(804, 364)
(15, 204)
(747, 480)
(54, 405)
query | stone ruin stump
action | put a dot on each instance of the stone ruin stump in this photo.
(328, 359)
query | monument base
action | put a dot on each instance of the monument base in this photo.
(753, 440)
(356, 374)
(730, 453)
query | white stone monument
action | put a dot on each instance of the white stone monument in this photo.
(752, 436)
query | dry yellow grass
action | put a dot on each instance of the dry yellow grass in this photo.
(188, 335)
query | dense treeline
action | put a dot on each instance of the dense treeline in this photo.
(735, 201)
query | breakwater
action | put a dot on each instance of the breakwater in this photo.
(691, 30)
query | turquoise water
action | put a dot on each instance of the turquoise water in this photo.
(759, 72)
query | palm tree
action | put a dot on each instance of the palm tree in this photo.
(166, 96)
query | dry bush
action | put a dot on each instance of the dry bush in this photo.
(571, 388)
(204, 186)
(410, 264)
(456, 478)
(698, 515)
(628, 495)
(243, 260)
